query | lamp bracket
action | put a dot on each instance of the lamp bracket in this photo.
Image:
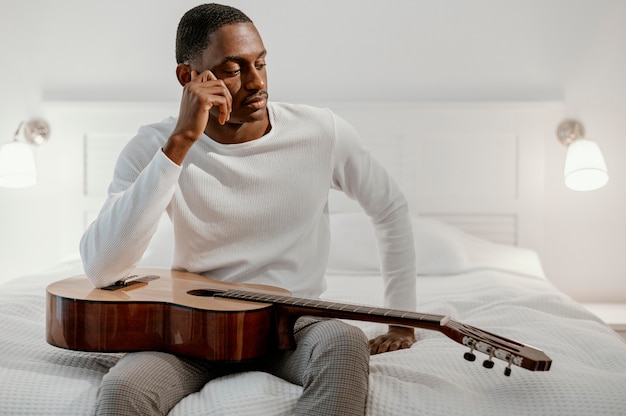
(36, 131)
(569, 130)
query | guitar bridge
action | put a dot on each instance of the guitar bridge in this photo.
(131, 280)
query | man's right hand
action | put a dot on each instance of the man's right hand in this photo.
(200, 94)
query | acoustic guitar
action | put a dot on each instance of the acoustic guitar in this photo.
(188, 314)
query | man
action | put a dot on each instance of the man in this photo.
(245, 183)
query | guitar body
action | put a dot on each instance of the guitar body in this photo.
(160, 315)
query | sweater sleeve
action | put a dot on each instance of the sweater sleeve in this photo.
(143, 184)
(362, 178)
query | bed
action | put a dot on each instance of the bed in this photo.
(478, 262)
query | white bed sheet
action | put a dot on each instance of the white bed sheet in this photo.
(588, 374)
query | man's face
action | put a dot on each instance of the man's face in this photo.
(236, 55)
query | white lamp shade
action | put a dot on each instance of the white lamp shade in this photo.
(585, 169)
(17, 166)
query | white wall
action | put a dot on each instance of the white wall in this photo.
(585, 235)
(348, 50)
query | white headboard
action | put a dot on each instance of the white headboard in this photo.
(479, 166)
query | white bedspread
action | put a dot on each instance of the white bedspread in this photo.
(588, 374)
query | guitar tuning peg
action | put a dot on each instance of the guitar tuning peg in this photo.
(488, 363)
(470, 356)
(507, 370)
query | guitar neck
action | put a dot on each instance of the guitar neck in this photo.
(329, 309)
(476, 339)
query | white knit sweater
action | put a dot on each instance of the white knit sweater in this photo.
(253, 212)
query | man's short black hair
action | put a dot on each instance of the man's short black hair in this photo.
(195, 27)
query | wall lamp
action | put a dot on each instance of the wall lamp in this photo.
(585, 169)
(17, 163)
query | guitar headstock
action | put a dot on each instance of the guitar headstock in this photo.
(495, 346)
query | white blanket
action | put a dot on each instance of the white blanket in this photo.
(499, 289)
(588, 375)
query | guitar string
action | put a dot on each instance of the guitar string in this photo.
(320, 304)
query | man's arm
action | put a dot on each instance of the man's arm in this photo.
(142, 187)
(364, 179)
(397, 253)
(144, 182)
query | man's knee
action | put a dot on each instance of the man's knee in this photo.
(149, 383)
(340, 338)
(120, 394)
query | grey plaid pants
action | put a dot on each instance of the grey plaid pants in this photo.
(331, 363)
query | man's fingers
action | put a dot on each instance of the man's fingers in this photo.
(214, 92)
(226, 106)
(379, 345)
(383, 344)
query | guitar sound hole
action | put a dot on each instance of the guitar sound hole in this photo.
(203, 292)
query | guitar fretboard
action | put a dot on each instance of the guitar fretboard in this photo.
(342, 310)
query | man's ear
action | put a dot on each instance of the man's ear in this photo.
(183, 73)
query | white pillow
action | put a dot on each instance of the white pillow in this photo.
(354, 249)
(440, 249)
(353, 246)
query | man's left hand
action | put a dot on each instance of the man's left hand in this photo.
(396, 338)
